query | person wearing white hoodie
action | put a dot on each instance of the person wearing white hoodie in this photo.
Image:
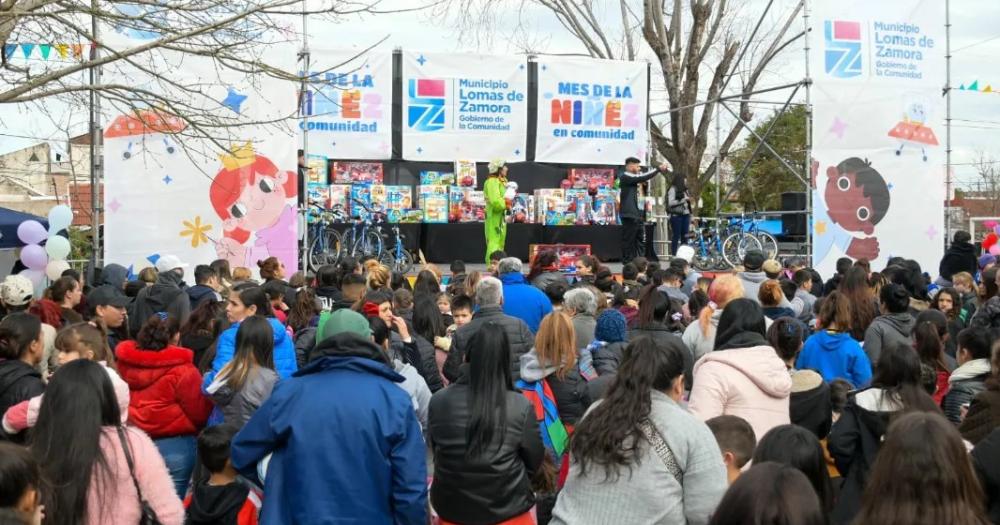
(743, 376)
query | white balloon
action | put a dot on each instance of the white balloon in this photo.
(57, 247)
(54, 269)
(60, 218)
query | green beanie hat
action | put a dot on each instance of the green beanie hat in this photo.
(343, 320)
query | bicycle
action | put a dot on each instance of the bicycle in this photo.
(363, 239)
(327, 243)
(707, 244)
(397, 258)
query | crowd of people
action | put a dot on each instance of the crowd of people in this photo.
(518, 395)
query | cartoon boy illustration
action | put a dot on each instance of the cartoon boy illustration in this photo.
(250, 194)
(855, 199)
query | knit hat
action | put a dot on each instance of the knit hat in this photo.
(753, 260)
(343, 320)
(496, 165)
(986, 259)
(610, 326)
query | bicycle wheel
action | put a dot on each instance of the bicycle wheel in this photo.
(324, 248)
(736, 246)
(768, 244)
(402, 263)
(370, 244)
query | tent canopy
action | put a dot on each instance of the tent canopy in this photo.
(9, 221)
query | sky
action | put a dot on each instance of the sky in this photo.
(975, 44)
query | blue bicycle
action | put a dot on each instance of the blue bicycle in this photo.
(327, 243)
(364, 239)
(396, 257)
(707, 244)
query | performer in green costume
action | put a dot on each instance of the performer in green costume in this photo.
(496, 207)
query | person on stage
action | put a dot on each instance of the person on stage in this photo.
(679, 208)
(630, 213)
(496, 207)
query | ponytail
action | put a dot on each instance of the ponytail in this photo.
(17, 331)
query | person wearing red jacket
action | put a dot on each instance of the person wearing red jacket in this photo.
(165, 394)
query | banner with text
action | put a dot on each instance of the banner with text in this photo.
(591, 111)
(878, 158)
(470, 107)
(349, 105)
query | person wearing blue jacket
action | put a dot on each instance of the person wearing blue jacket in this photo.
(520, 298)
(833, 352)
(345, 443)
(245, 302)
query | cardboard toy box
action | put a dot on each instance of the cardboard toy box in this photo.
(549, 199)
(605, 209)
(566, 254)
(317, 197)
(437, 178)
(465, 173)
(434, 203)
(522, 209)
(362, 193)
(601, 177)
(357, 173)
(466, 205)
(580, 203)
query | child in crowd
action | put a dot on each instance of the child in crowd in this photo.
(457, 271)
(78, 341)
(222, 499)
(736, 441)
(965, 285)
(275, 291)
(20, 481)
(831, 351)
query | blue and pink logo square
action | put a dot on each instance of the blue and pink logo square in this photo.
(426, 111)
(842, 52)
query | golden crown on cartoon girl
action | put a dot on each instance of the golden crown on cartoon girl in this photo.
(239, 156)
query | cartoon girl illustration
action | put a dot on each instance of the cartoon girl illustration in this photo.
(250, 194)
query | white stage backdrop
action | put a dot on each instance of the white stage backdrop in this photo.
(470, 107)
(350, 112)
(878, 131)
(202, 201)
(591, 111)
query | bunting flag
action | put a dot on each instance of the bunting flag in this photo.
(974, 86)
(45, 50)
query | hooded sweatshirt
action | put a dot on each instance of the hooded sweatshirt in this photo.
(232, 504)
(328, 296)
(200, 293)
(751, 287)
(963, 384)
(835, 355)
(752, 383)
(960, 257)
(887, 330)
(523, 300)
(19, 381)
(165, 295)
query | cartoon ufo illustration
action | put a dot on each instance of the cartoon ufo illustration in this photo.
(911, 130)
(144, 122)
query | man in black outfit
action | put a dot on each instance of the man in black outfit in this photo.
(631, 215)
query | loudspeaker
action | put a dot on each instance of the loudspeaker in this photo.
(793, 224)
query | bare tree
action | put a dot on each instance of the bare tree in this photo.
(696, 49)
(987, 184)
(234, 35)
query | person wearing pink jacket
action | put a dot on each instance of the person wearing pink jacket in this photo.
(743, 376)
(106, 473)
(79, 341)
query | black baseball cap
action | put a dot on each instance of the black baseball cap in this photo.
(107, 296)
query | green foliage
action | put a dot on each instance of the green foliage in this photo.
(767, 178)
(81, 246)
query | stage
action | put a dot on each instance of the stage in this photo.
(443, 243)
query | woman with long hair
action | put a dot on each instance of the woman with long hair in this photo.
(84, 453)
(929, 336)
(832, 351)
(413, 350)
(587, 267)
(545, 270)
(485, 439)
(654, 308)
(202, 329)
(743, 376)
(894, 326)
(699, 336)
(304, 311)
(863, 305)
(79, 341)
(21, 349)
(638, 456)
(494, 190)
(797, 447)
(429, 325)
(245, 301)
(770, 493)
(554, 360)
(272, 270)
(922, 475)
(222, 269)
(165, 400)
(246, 381)
(857, 437)
(426, 284)
(679, 208)
(949, 302)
